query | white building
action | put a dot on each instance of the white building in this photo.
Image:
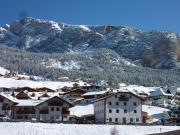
(41, 106)
(120, 107)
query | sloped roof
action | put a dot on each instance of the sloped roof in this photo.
(95, 93)
(12, 99)
(159, 92)
(116, 92)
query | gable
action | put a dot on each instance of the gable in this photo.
(56, 101)
(22, 95)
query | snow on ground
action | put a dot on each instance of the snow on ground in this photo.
(10, 82)
(3, 71)
(65, 66)
(155, 112)
(26, 128)
(81, 110)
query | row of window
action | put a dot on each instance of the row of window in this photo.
(53, 108)
(117, 111)
(124, 120)
(99, 111)
(123, 96)
(125, 103)
(99, 104)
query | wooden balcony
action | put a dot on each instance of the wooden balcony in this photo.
(123, 98)
(25, 112)
(55, 104)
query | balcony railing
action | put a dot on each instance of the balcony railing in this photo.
(122, 98)
(25, 112)
(55, 104)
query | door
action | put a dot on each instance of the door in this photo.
(124, 120)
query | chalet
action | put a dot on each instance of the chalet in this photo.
(89, 97)
(41, 106)
(120, 107)
(51, 109)
(74, 94)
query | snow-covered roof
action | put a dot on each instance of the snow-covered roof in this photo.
(95, 93)
(9, 97)
(172, 89)
(159, 92)
(29, 102)
(157, 113)
(81, 110)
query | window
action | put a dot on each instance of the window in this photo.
(52, 108)
(110, 111)
(135, 104)
(125, 103)
(115, 96)
(137, 119)
(57, 109)
(130, 96)
(19, 117)
(110, 119)
(117, 103)
(116, 119)
(109, 103)
(117, 111)
(131, 119)
(135, 111)
(125, 111)
(25, 117)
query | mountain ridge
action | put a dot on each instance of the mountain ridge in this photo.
(72, 50)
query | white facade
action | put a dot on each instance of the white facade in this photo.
(122, 108)
(53, 109)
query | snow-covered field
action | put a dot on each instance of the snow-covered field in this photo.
(26, 128)
(10, 82)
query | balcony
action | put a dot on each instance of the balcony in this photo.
(123, 98)
(25, 112)
(55, 104)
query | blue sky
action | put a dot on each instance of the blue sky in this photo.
(143, 14)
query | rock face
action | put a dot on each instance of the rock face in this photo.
(156, 49)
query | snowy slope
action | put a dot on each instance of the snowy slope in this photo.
(3, 71)
(10, 82)
(21, 128)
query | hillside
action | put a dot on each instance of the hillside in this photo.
(118, 53)
(96, 65)
(156, 49)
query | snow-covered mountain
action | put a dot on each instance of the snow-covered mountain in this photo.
(157, 49)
